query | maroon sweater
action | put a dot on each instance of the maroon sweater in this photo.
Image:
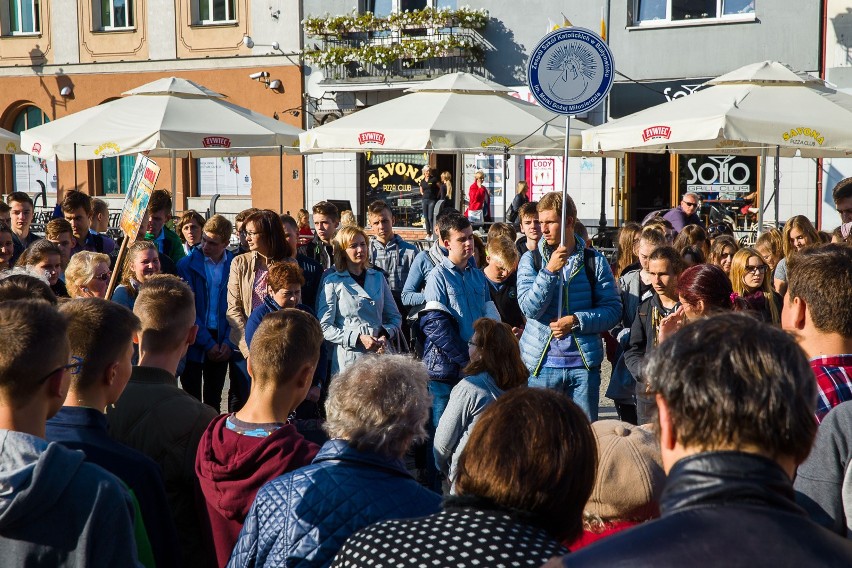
(232, 468)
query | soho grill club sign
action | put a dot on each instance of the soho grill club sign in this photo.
(724, 174)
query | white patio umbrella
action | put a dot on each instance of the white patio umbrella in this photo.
(757, 108)
(762, 105)
(170, 117)
(458, 112)
(10, 143)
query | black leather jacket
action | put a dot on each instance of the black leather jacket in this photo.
(722, 509)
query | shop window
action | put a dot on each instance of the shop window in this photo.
(21, 17)
(679, 12)
(113, 14)
(216, 11)
(115, 173)
(30, 173)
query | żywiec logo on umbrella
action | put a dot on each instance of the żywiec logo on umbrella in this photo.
(654, 132)
(107, 149)
(371, 138)
(803, 136)
(216, 142)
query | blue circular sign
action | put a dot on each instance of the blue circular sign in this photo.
(570, 71)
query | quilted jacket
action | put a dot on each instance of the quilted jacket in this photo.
(444, 352)
(303, 518)
(538, 297)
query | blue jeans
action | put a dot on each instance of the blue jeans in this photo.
(440, 397)
(581, 385)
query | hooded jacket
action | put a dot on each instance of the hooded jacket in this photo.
(231, 467)
(56, 510)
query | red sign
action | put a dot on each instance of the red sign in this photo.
(37, 148)
(656, 132)
(216, 142)
(371, 138)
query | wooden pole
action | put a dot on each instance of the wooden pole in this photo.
(119, 265)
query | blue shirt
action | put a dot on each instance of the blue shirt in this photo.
(214, 272)
(463, 292)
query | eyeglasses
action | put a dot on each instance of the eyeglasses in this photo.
(104, 277)
(758, 269)
(252, 234)
(74, 367)
(690, 203)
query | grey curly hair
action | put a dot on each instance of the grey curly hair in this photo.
(379, 404)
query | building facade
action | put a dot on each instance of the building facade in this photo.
(58, 57)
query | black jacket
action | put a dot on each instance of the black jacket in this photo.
(722, 509)
(642, 335)
(506, 300)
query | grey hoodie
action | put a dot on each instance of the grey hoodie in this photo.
(57, 510)
(824, 481)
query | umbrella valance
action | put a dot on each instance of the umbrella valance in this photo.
(458, 112)
(758, 106)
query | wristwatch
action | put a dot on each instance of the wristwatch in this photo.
(576, 325)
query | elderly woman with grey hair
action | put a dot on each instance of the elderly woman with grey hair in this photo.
(376, 409)
(87, 275)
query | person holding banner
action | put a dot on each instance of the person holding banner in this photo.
(568, 297)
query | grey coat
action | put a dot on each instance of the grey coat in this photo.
(467, 402)
(346, 311)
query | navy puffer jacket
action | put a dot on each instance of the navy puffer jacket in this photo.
(445, 354)
(303, 518)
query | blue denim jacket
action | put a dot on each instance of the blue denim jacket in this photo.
(464, 292)
(538, 297)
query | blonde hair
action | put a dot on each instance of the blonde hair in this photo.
(447, 178)
(502, 250)
(127, 272)
(347, 218)
(805, 226)
(346, 236)
(479, 175)
(738, 272)
(81, 270)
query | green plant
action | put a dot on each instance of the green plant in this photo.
(337, 26)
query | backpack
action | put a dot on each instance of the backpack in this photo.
(588, 265)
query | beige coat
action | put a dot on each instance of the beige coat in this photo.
(240, 288)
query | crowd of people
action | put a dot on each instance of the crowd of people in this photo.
(391, 406)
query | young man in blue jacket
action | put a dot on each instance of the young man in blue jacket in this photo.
(562, 349)
(206, 271)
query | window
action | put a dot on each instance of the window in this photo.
(24, 17)
(216, 11)
(115, 173)
(384, 8)
(662, 12)
(30, 173)
(116, 14)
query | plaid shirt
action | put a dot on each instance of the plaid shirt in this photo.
(834, 382)
(395, 259)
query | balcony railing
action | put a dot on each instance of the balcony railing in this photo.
(408, 45)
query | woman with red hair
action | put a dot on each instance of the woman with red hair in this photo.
(702, 289)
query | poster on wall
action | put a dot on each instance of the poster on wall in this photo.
(492, 167)
(31, 169)
(395, 179)
(541, 176)
(225, 176)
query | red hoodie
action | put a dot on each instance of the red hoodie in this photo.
(232, 467)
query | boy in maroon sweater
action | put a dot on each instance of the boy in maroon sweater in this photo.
(240, 452)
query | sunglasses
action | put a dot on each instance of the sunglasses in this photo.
(104, 277)
(758, 269)
(690, 203)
